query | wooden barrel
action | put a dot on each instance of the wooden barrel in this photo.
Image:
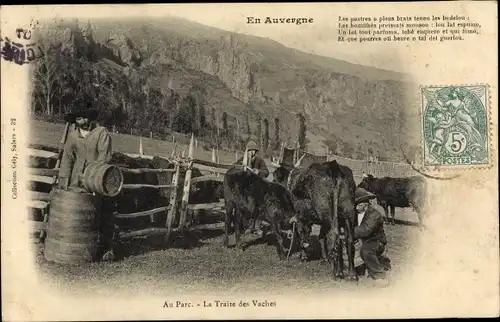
(73, 227)
(104, 179)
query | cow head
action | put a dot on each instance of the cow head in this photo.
(280, 174)
(367, 182)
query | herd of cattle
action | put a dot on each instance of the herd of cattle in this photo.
(319, 193)
(298, 196)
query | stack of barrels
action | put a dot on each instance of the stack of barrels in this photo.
(74, 223)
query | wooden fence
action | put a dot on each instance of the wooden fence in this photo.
(41, 200)
(213, 171)
(177, 210)
(358, 167)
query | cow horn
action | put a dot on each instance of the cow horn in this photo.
(365, 175)
(297, 164)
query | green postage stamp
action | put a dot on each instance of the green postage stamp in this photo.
(455, 125)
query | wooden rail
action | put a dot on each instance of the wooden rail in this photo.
(43, 172)
(208, 206)
(145, 170)
(144, 232)
(41, 196)
(44, 179)
(139, 186)
(202, 167)
(143, 213)
(212, 164)
(38, 204)
(207, 178)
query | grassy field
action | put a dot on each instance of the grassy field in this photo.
(49, 134)
(200, 263)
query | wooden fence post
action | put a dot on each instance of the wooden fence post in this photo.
(141, 152)
(245, 158)
(282, 152)
(214, 160)
(173, 151)
(172, 213)
(187, 187)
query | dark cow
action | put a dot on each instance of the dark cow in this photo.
(328, 189)
(248, 197)
(305, 212)
(398, 192)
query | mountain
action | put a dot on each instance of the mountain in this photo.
(351, 108)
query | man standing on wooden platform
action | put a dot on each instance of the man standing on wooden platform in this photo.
(88, 143)
(256, 164)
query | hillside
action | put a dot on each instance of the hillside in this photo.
(354, 108)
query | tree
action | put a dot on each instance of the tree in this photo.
(276, 133)
(265, 135)
(213, 124)
(225, 130)
(286, 134)
(259, 130)
(190, 106)
(172, 104)
(237, 134)
(182, 121)
(247, 126)
(45, 78)
(302, 131)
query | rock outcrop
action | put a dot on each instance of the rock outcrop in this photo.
(355, 105)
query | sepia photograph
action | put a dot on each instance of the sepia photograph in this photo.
(249, 160)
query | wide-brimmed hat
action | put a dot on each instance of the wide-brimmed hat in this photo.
(82, 110)
(362, 195)
(252, 146)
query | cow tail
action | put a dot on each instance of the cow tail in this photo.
(335, 204)
(334, 213)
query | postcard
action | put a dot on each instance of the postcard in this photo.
(250, 161)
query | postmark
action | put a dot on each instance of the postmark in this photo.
(19, 48)
(455, 125)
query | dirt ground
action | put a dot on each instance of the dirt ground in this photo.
(198, 262)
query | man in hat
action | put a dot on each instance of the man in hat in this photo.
(87, 143)
(370, 230)
(256, 164)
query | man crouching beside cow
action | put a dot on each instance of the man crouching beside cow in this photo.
(325, 194)
(370, 230)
